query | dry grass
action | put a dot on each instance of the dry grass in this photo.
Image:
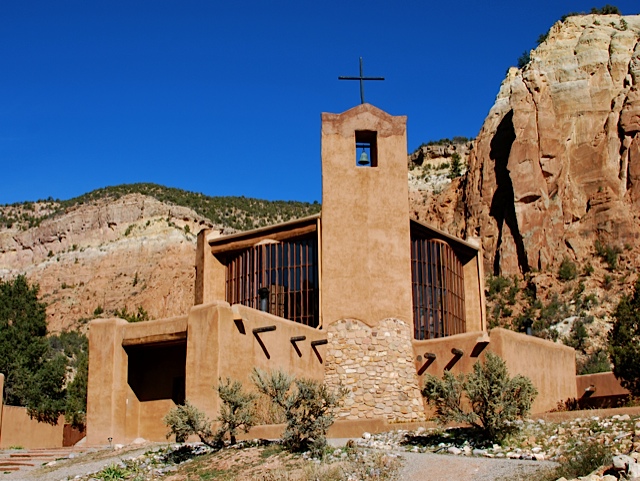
(271, 463)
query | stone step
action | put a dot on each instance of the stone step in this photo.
(15, 463)
(10, 468)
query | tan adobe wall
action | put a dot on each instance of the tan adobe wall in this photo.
(375, 365)
(605, 384)
(550, 366)
(475, 302)
(210, 273)
(219, 343)
(600, 390)
(18, 429)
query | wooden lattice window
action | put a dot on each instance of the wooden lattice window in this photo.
(289, 272)
(438, 289)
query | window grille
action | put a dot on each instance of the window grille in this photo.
(288, 270)
(438, 289)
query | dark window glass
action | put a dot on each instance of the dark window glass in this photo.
(438, 289)
(288, 270)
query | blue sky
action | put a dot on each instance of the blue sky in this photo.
(224, 98)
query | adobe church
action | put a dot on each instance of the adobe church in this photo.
(359, 296)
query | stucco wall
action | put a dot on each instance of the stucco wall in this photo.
(605, 384)
(210, 273)
(600, 390)
(20, 430)
(220, 343)
(550, 366)
(366, 259)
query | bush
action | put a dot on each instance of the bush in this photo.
(606, 10)
(578, 336)
(237, 410)
(624, 342)
(186, 420)
(496, 284)
(524, 59)
(608, 253)
(495, 398)
(455, 169)
(141, 316)
(595, 363)
(588, 269)
(585, 460)
(308, 408)
(568, 270)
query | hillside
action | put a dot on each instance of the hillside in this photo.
(124, 247)
(553, 185)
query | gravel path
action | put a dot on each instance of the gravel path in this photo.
(442, 467)
(417, 466)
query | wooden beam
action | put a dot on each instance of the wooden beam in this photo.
(156, 339)
(221, 247)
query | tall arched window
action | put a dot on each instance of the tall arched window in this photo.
(438, 289)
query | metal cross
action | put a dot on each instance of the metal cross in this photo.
(361, 78)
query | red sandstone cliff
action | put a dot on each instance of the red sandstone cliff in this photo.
(556, 164)
(557, 161)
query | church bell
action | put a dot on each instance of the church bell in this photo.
(364, 158)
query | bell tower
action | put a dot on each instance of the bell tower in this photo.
(366, 265)
(366, 259)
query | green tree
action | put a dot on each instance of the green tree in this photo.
(624, 341)
(524, 59)
(75, 347)
(34, 373)
(606, 10)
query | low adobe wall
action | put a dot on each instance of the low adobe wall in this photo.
(601, 390)
(550, 366)
(18, 429)
(221, 341)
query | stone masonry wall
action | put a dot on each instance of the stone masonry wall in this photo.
(376, 366)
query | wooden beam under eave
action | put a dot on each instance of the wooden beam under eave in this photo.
(221, 247)
(156, 339)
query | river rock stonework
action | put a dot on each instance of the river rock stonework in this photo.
(376, 365)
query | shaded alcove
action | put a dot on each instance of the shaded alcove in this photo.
(157, 371)
(503, 208)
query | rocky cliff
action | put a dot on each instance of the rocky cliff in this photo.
(105, 255)
(556, 164)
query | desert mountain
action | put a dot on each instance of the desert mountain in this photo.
(128, 247)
